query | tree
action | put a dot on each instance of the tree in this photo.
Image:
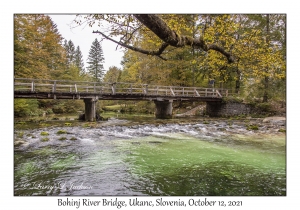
(79, 61)
(95, 61)
(127, 26)
(74, 60)
(37, 47)
(112, 75)
(232, 49)
(70, 52)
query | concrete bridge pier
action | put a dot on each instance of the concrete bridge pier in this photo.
(163, 109)
(90, 109)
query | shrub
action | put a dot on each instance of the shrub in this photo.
(264, 107)
(232, 99)
(58, 109)
(62, 138)
(49, 111)
(25, 107)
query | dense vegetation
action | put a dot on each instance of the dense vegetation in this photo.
(244, 53)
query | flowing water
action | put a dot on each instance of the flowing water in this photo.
(120, 157)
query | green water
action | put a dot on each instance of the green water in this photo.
(182, 165)
(123, 158)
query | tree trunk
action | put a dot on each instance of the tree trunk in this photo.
(266, 80)
(238, 81)
(266, 86)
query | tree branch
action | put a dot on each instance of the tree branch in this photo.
(163, 31)
(147, 52)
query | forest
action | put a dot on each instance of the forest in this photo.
(245, 53)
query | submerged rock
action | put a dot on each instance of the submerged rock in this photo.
(19, 142)
(275, 120)
(154, 142)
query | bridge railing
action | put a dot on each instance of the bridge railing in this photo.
(56, 86)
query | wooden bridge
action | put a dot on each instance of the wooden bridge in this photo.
(90, 92)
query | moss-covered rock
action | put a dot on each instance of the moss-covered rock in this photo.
(252, 127)
(44, 133)
(61, 132)
(62, 138)
(45, 139)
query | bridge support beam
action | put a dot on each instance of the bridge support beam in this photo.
(163, 109)
(90, 109)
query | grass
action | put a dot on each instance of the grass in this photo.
(112, 108)
(62, 138)
(44, 125)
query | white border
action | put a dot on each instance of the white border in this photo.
(8, 8)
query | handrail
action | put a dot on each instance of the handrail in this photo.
(57, 86)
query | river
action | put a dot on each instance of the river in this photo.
(143, 156)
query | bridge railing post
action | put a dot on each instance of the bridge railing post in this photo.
(75, 86)
(172, 92)
(196, 92)
(218, 93)
(113, 88)
(32, 86)
(54, 87)
(146, 89)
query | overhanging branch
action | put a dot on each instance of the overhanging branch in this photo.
(164, 32)
(157, 53)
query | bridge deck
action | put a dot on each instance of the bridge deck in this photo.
(59, 89)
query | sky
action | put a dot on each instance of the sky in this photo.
(83, 37)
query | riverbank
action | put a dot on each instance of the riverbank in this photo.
(275, 122)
